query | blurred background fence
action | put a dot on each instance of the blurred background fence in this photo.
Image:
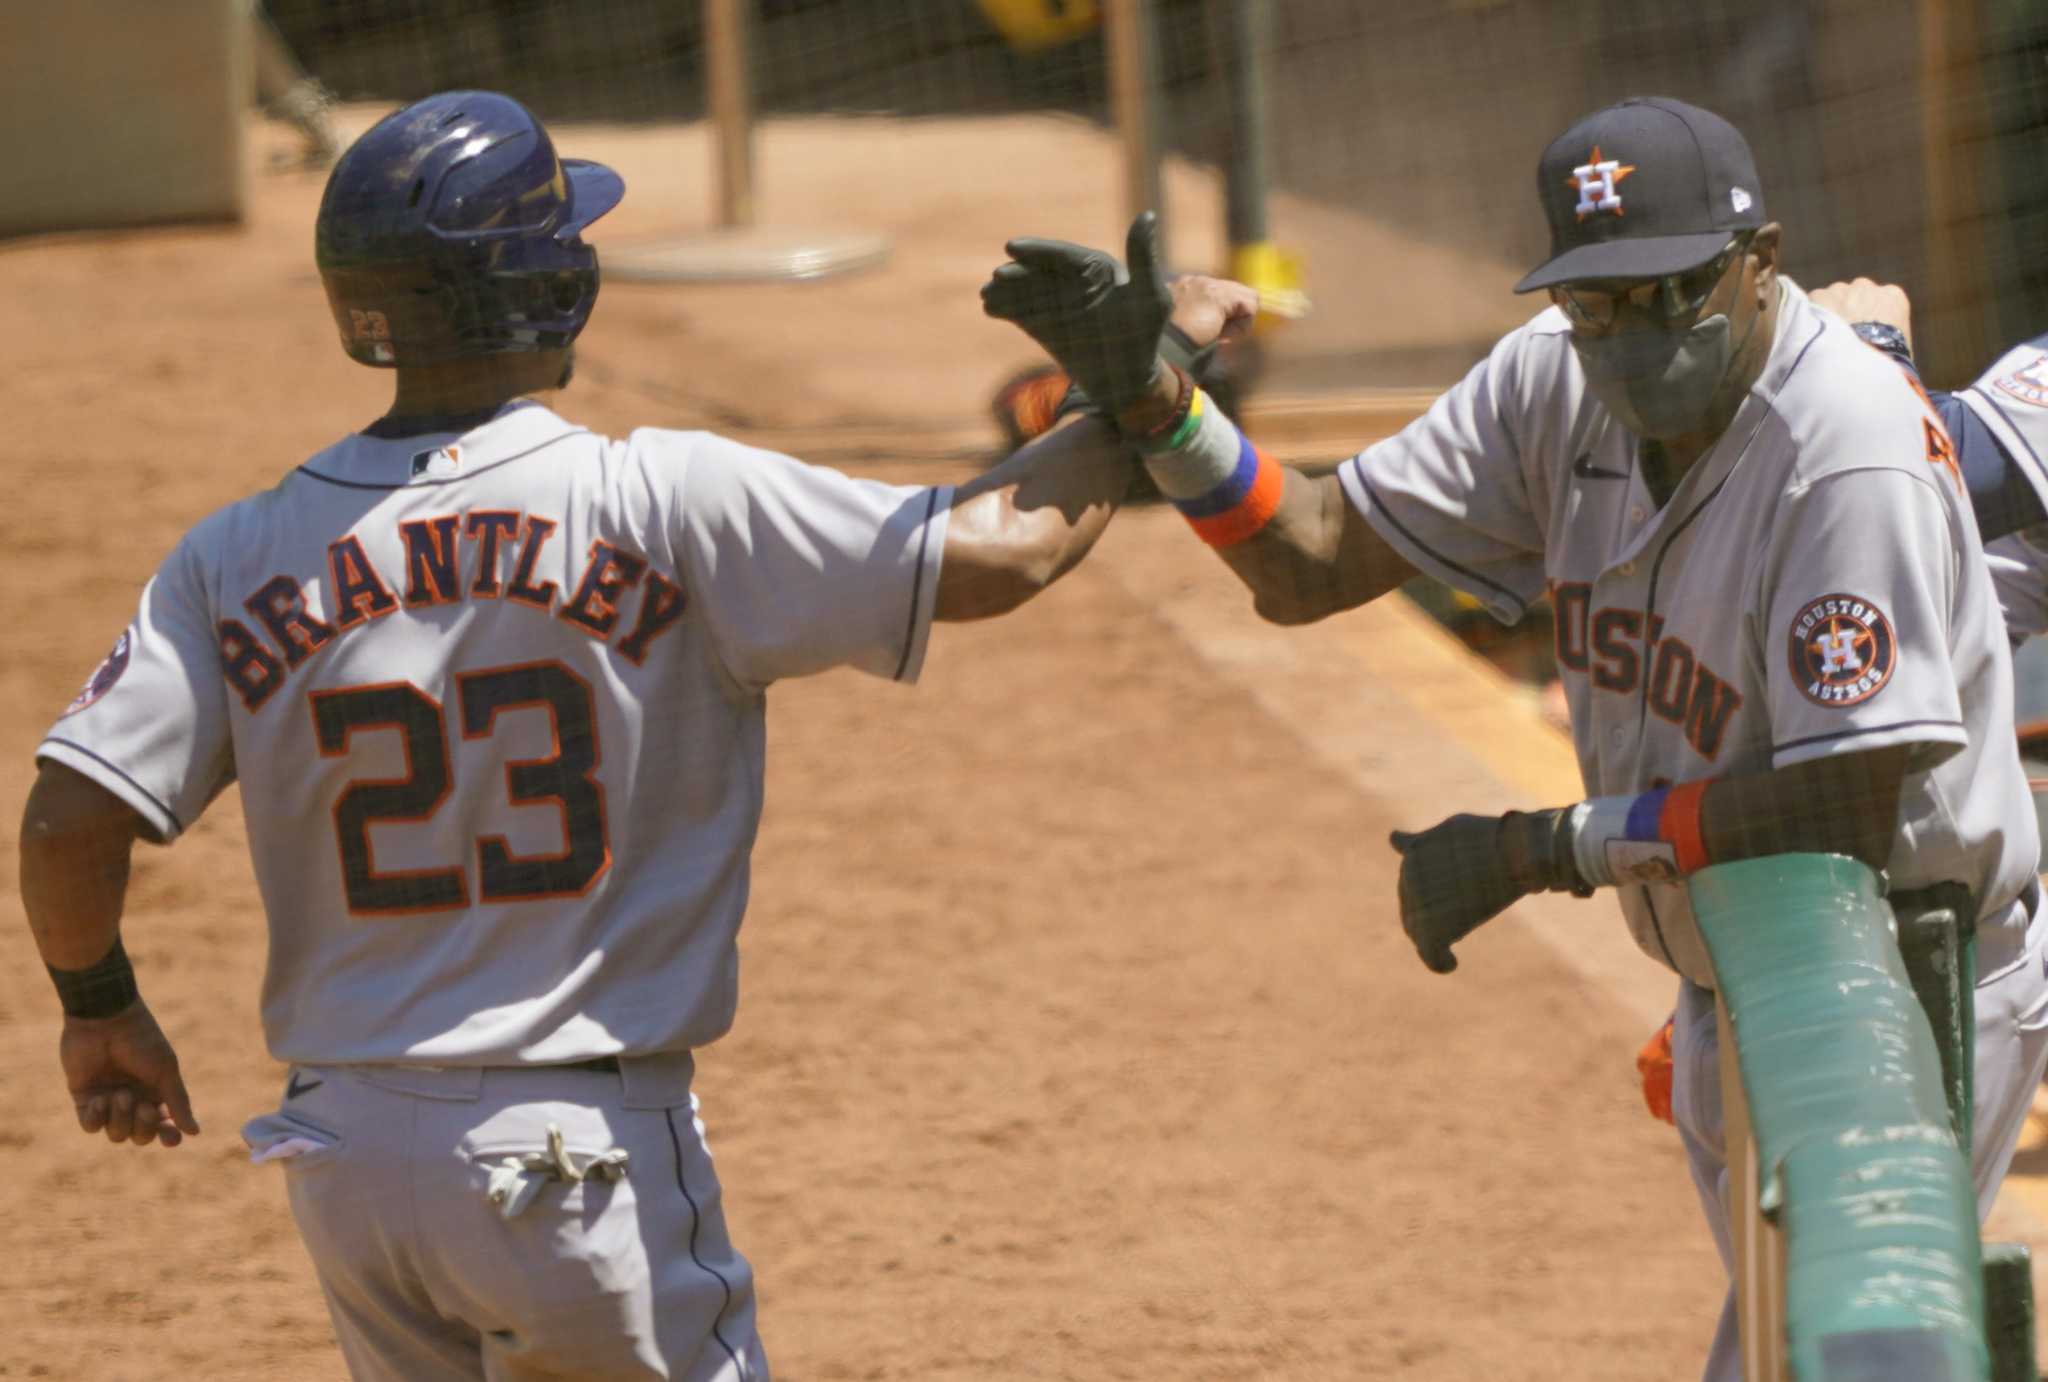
(1904, 139)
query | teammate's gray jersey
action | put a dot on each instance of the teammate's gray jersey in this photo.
(1814, 586)
(495, 702)
(2012, 400)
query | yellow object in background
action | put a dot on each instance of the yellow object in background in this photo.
(1276, 273)
(1032, 26)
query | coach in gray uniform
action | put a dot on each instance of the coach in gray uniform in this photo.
(1775, 626)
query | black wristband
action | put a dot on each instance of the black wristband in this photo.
(100, 990)
(1885, 337)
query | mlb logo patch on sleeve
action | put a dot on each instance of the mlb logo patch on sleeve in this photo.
(103, 677)
(1842, 650)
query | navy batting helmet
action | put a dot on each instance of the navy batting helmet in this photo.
(451, 229)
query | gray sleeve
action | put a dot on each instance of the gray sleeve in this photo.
(2011, 400)
(1449, 491)
(151, 724)
(798, 568)
(2019, 573)
(1858, 617)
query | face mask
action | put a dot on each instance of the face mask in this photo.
(1659, 384)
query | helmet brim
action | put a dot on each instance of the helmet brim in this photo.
(593, 190)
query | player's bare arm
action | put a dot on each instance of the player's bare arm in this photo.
(1315, 555)
(1462, 872)
(76, 838)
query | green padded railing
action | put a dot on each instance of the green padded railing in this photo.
(1858, 1164)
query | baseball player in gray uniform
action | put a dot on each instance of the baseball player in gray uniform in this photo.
(1774, 623)
(492, 688)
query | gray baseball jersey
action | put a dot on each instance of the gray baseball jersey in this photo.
(1814, 586)
(495, 704)
(2011, 398)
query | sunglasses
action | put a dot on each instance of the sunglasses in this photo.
(1594, 305)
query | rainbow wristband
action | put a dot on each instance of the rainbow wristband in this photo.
(1225, 487)
(1652, 838)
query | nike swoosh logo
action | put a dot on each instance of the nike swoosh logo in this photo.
(293, 1089)
(1584, 468)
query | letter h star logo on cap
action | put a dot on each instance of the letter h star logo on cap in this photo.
(1598, 181)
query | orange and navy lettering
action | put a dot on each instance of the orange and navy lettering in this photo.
(256, 660)
(489, 528)
(1941, 452)
(612, 572)
(251, 669)
(522, 588)
(660, 607)
(280, 606)
(1608, 646)
(433, 561)
(359, 592)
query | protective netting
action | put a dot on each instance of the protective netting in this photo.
(1897, 138)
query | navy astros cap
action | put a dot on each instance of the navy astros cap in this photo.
(1646, 187)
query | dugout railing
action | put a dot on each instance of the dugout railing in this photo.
(1858, 1257)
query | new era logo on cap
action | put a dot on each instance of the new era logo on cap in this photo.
(1643, 188)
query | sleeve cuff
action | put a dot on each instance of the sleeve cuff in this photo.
(86, 763)
(1936, 740)
(931, 546)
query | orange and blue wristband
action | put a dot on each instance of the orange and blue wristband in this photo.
(1651, 838)
(1224, 486)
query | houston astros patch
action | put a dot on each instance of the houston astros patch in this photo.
(1842, 650)
(2028, 383)
(103, 677)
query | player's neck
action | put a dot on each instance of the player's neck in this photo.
(466, 388)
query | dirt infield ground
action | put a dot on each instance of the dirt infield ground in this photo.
(1077, 1039)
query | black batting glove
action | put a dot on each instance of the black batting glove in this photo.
(1099, 322)
(1463, 872)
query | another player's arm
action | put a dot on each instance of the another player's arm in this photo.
(76, 840)
(2000, 497)
(1019, 527)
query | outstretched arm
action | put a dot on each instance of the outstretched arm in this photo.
(75, 842)
(1312, 555)
(1018, 528)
